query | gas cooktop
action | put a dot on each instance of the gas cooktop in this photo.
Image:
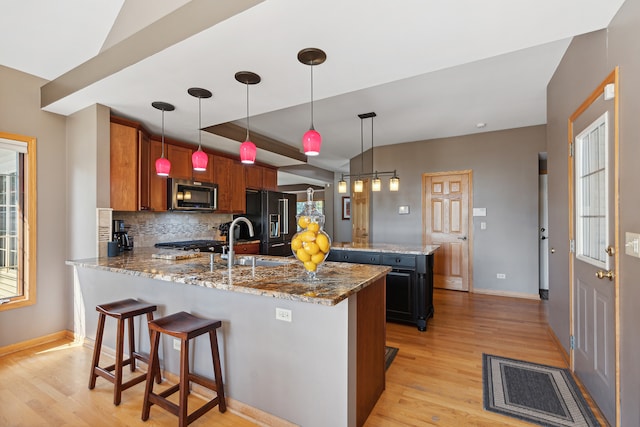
(194, 245)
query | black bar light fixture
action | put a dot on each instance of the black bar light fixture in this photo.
(358, 183)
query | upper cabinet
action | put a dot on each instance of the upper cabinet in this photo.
(129, 167)
(261, 178)
(180, 158)
(135, 185)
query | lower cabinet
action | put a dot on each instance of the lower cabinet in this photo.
(409, 283)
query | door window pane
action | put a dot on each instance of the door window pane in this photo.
(591, 191)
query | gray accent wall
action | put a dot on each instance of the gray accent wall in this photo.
(20, 114)
(504, 167)
(589, 59)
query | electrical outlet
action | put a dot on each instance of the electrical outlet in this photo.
(501, 276)
(283, 314)
(176, 344)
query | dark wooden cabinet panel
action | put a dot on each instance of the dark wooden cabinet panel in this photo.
(409, 284)
(400, 295)
(144, 162)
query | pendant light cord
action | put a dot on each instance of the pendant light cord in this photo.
(372, 165)
(199, 123)
(162, 133)
(311, 96)
(361, 147)
(247, 84)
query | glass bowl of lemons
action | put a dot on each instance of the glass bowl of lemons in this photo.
(311, 244)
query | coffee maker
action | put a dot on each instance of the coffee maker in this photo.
(120, 235)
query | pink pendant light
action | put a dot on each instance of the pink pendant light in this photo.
(163, 165)
(199, 158)
(312, 140)
(247, 148)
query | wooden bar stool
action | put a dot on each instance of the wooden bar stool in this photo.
(121, 310)
(184, 326)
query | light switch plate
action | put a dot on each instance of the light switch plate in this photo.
(632, 244)
(479, 211)
(403, 210)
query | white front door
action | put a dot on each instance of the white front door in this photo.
(594, 257)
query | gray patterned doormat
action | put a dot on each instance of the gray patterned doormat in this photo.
(539, 394)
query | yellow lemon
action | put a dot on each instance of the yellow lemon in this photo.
(323, 242)
(296, 244)
(313, 226)
(307, 236)
(317, 258)
(311, 248)
(302, 255)
(310, 266)
(303, 222)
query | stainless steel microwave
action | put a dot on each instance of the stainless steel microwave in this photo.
(186, 195)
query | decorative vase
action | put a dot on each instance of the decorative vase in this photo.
(311, 244)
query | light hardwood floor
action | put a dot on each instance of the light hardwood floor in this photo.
(435, 380)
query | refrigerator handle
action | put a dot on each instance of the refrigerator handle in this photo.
(285, 214)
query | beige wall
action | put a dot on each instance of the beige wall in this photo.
(20, 114)
(587, 62)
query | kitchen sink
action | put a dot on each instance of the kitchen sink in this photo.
(260, 262)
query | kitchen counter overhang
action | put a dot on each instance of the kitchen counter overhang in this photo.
(335, 281)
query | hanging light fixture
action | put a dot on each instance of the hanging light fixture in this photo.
(199, 158)
(163, 165)
(342, 185)
(247, 148)
(376, 184)
(312, 140)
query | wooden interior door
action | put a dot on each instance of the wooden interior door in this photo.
(446, 223)
(360, 215)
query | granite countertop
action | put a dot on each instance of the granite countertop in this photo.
(335, 281)
(385, 247)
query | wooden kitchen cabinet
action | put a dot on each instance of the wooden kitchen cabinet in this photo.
(180, 158)
(409, 297)
(270, 179)
(206, 176)
(253, 175)
(229, 175)
(129, 167)
(247, 248)
(157, 184)
(261, 178)
(238, 188)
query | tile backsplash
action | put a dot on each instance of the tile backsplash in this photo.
(149, 228)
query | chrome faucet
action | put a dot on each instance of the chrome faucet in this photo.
(230, 254)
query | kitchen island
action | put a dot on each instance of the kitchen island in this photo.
(325, 366)
(409, 283)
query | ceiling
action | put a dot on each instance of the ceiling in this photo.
(428, 68)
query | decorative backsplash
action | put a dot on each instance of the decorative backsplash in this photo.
(149, 228)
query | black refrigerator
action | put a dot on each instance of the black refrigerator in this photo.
(273, 215)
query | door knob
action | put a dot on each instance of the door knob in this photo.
(600, 274)
(462, 238)
(610, 251)
(553, 250)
